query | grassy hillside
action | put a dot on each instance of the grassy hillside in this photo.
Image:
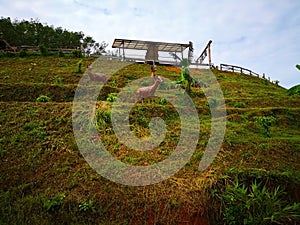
(45, 180)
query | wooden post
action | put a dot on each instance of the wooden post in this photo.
(209, 53)
(181, 53)
(123, 50)
(205, 52)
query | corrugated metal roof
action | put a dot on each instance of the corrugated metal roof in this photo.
(144, 45)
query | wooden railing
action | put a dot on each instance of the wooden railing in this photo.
(238, 69)
(54, 50)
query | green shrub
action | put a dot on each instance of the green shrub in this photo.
(266, 122)
(163, 101)
(86, 206)
(55, 202)
(59, 81)
(112, 97)
(256, 205)
(43, 98)
(22, 53)
(79, 66)
(61, 54)
(77, 53)
(43, 50)
(239, 105)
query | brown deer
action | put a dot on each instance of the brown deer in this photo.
(98, 77)
(149, 91)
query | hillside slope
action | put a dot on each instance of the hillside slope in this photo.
(46, 180)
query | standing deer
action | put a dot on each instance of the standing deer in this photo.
(98, 77)
(148, 91)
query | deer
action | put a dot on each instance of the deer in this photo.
(98, 77)
(148, 91)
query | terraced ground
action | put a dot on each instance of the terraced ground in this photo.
(45, 179)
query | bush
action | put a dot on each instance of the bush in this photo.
(77, 53)
(112, 97)
(256, 205)
(22, 53)
(43, 98)
(266, 122)
(239, 105)
(59, 81)
(61, 54)
(163, 101)
(43, 50)
(79, 65)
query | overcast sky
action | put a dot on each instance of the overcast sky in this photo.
(262, 35)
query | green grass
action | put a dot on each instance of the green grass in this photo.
(45, 179)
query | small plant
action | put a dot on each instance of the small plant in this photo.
(198, 155)
(186, 75)
(113, 83)
(55, 202)
(85, 206)
(59, 81)
(79, 65)
(239, 105)
(163, 101)
(112, 97)
(266, 122)
(144, 122)
(2, 151)
(130, 77)
(43, 98)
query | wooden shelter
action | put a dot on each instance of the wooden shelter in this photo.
(152, 49)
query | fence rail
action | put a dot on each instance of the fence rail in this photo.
(54, 50)
(238, 69)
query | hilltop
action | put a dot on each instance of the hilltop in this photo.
(46, 180)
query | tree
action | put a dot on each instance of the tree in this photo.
(34, 33)
(298, 66)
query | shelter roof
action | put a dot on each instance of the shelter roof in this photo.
(144, 45)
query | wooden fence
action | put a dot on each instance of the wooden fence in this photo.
(53, 50)
(238, 69)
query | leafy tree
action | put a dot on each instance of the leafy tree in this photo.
(298, 66)
(34, 33)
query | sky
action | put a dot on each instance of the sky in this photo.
(261, 35)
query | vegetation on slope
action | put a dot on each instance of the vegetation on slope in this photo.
(45, 180)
